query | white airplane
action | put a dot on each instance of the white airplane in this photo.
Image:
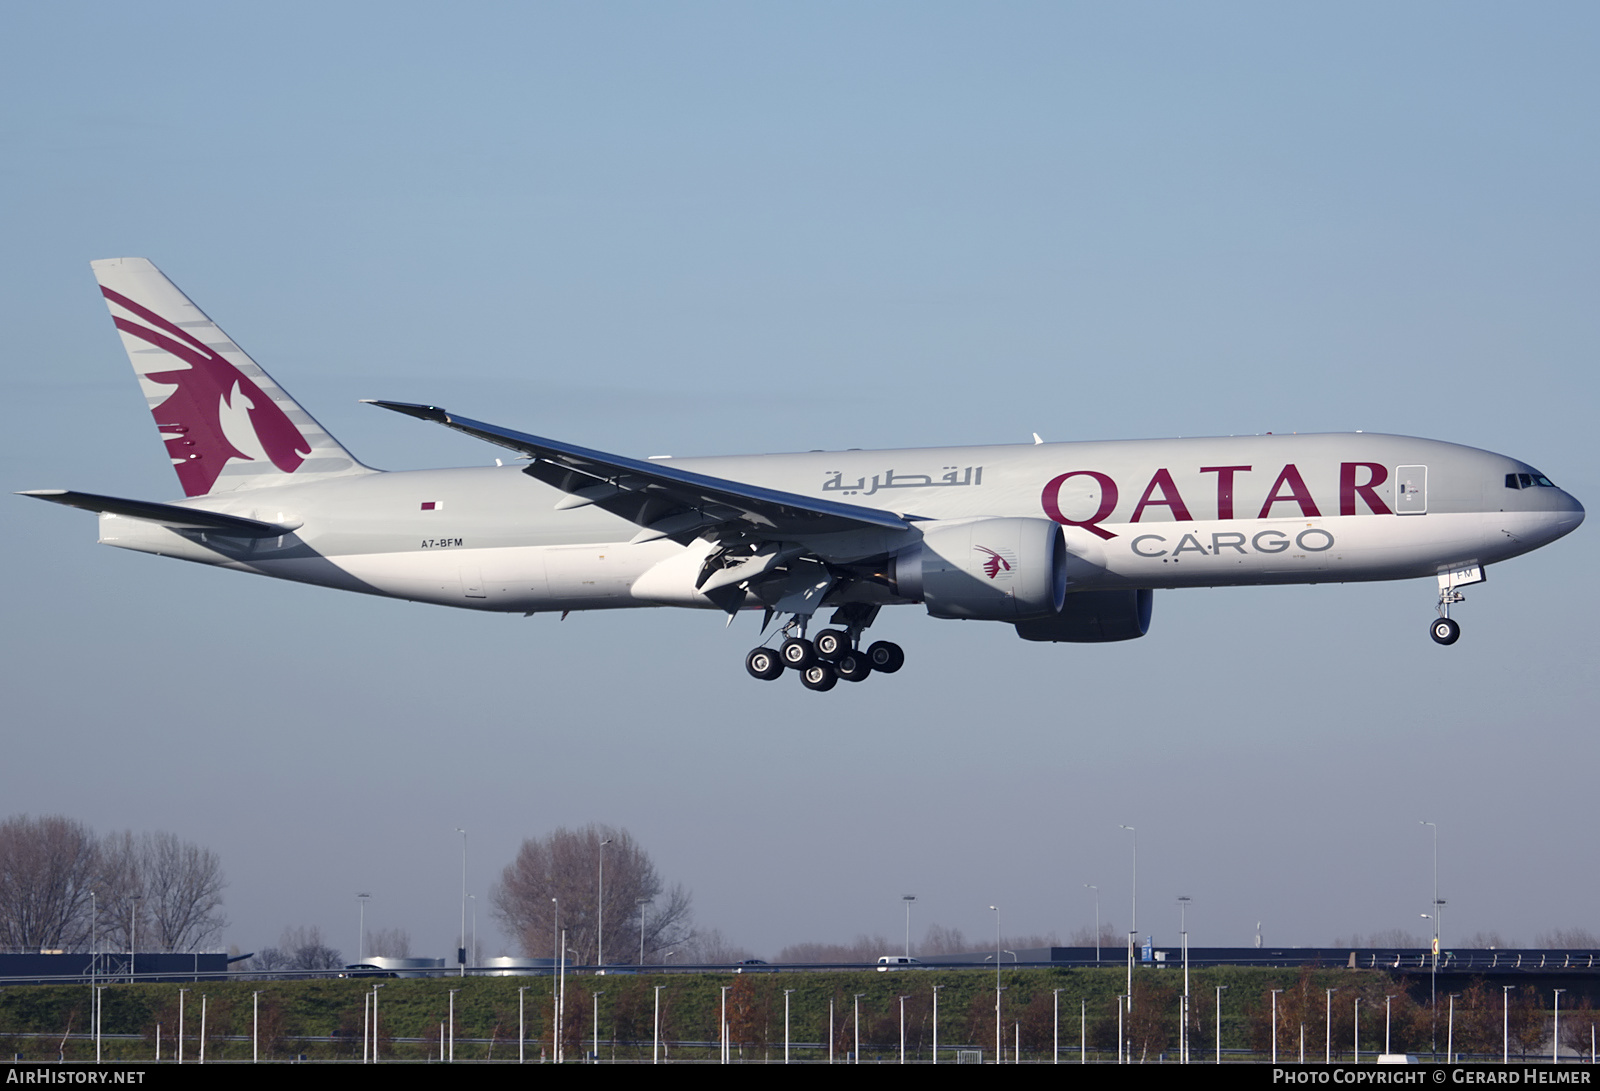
(1063, 541)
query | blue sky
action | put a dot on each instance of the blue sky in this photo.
(721, 228)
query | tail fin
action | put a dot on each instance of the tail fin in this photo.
(226, 424)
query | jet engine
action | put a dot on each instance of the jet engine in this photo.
(1094, 617)
(986, 569)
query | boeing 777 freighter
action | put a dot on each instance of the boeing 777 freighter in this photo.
(1062, 541)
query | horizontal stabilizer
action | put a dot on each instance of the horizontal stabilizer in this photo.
(169, 515)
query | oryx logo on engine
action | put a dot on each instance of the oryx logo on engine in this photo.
(998, 565)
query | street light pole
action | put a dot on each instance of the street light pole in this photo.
(1219, 1022)
(600, 910)
(786, 993)
(1505, 1023)
(461, 952)
(1327, 1030)
(1183, 1026)
(1091, 886)
(1275, 993)
(1133, 925)
(998, 1054)
(1555, 1031)
(1055, 1049)
(375, 989)
(453, 1024)
(655, 1046)
(908, 899)
(555, 990)
(1433, 973)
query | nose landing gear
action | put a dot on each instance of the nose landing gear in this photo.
(1444, 630)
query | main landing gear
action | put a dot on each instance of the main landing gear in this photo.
(835, 654)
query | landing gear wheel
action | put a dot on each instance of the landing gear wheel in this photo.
(820, 677)
(1445, 631)
(797, 653)
(831, 644)
(886, 658)
(763, 663)
(852, 666)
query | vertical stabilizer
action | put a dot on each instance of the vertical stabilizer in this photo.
(226, 424)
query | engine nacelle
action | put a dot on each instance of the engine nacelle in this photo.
(1094, 617)
(986, 569)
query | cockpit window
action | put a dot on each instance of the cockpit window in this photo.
(1528, 481)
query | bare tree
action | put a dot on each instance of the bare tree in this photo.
(182, 885)
(1109, 936)
(1490, 940)
(159, 892)
(711, 948)
(119, 897)
(941, 940)
(269, 959)
(555, 883)
(48, 867)
(302, 948)
(1389, 938)
(864, 949)
(389, 943)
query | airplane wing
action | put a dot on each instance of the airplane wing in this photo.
(169, 515)
(665, 501)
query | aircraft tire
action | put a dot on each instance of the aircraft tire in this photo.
(831, 644)
(852, 666)
(763, 663)
(886, 657)
(798, 653)
(820, 677)
(1445, 631)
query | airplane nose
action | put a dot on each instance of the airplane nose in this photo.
(1565, 514)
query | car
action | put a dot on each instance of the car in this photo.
(896, 962)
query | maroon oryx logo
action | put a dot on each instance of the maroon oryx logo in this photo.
(190, 419)
(997, 564)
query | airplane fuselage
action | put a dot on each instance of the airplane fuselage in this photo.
(1171, 513)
